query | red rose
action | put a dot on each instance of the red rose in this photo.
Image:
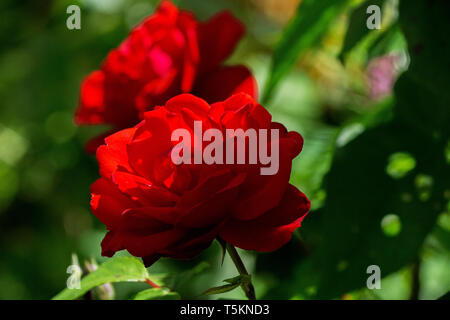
(169, 53)
(153, 207)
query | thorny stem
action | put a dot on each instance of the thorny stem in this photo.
(248, 286)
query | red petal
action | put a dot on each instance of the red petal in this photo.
(189, 25)
(234, 103)
(218, 38)
(188, 101)
(209, 203)
(146, 245)
(167, 215)
(223, 82)
(151, 145)
(111, 243)
(264, 192)
(146, 220)
(91, 107)
(143, 190)
(272, 230)
(156, 92)
(193, 243)
(167, 9)
(108, 203)
(114, 154)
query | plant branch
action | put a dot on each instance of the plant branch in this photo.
(248, 286)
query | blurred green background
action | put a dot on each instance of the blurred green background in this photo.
(375, 162)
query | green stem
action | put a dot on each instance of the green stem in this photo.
(247, 287)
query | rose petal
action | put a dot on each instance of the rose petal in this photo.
(91, 107)
(146, 193)
(210, 202)
(218, 38)
(146, 245)
(188, 101)
(273, 229)
(264, 192)
(108, 203)
(111, 243)
(223, 82)
(113, 154)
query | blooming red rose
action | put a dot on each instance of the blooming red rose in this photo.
(153, 207)
(169, 53)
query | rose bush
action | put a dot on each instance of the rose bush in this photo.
(169, 53)
(153, 208)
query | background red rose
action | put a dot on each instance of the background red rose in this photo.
(154, 208)
(169, 53)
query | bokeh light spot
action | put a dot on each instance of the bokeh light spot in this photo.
(399, 164)
(12, 146)
(424, 184)
(391, 225)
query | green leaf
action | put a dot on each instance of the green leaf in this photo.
(362, 44)
(445, 296)
(243, 278)
(118, 269)
(354, 234)
(357, 29)
(221, 289)
(156, 294)
(361, 192)
(176, 281)
(429, 110)
(304, 31)
(233, 283)
(392, 40)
